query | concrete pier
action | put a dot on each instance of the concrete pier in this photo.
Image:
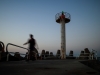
(46, 67)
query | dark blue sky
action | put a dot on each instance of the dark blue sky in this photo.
(19, 18)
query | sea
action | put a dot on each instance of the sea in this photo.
(98, 58)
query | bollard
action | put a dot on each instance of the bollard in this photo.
(8, 57)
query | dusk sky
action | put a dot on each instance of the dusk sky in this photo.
(19, 18)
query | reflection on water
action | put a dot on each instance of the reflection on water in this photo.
(20, 55)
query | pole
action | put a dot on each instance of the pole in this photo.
(63, 40)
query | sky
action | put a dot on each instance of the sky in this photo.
(19, 18)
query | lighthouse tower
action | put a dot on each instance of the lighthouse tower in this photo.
(63, 18)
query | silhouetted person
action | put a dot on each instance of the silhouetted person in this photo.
(32, 43)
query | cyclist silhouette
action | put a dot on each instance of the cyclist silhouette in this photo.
(32, 49)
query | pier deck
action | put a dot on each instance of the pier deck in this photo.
(46, 67)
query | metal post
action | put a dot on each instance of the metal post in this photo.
(8, 57)
(96, 55)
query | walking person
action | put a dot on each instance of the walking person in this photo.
(32, 49)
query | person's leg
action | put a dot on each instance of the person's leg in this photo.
(35, 55)
(31, 49)
(28, 56)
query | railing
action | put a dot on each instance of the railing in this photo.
(67, 15)
(2, 46)
(14, 45)
(90, 55)
(13, 52)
